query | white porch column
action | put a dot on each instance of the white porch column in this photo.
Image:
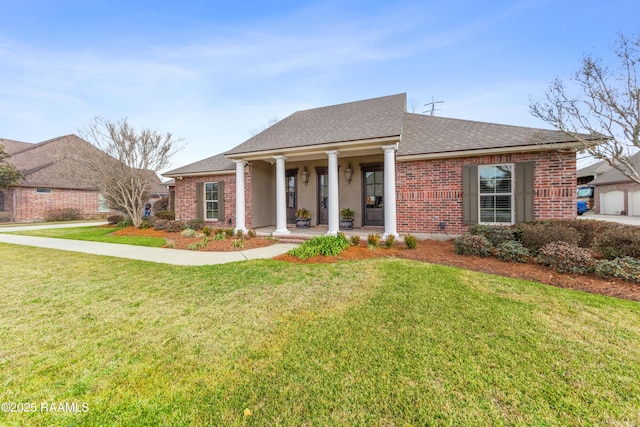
(333, 207)
(281, 198)
(390, 226)
(240, 207)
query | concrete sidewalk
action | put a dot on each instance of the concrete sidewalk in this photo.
(142, 253)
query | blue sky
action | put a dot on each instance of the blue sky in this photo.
(210, 72)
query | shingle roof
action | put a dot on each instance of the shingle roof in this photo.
(614, 175)
(431, 135)
(211, 164)
(596, 169)
(11, 147)
(353, 121)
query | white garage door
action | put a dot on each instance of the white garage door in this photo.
(612, 202)
(634, 203)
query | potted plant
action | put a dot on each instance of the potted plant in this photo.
(303, 218)
(346, 219)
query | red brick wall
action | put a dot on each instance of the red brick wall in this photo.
(31, 206)
(430, 191)
(185, 198)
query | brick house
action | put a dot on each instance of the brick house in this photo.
(55, 177)
(398, 171)
(614, 192)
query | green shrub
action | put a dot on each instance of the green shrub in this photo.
(355, 240)
(240, 234)
(373, 239)
(512, 251)
(251, 233)
(472, 244)
(625, 268)
(390, 241)
(238, 243)
(588, 229)
(566, 258)
(229, 232)
(496, 234)
(145, 224)
(64, 214)
(206, 231)
(114, 219)
(196, 224)
(161, 204)
(619, 241)
(175, 226)
(410, 241)
(189, 232)
(168, 215)
(322, 245)
(160, 224)
(125, 223)
(538, 234)
(220, 235)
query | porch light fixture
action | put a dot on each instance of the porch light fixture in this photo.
(348, 173)
(305, 175)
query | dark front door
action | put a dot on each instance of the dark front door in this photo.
(292, 194)
(323, 196)
(373, 193)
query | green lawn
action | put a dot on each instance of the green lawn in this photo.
(94, 234)
(376, 342)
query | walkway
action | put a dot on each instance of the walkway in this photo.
(142, 253)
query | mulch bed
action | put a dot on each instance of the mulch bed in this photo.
(427, 251)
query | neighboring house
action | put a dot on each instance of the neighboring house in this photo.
(400, 172)
(55, 177)
(615, 193)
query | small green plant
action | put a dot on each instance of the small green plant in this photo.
(625, 268)
(347, 213)
(220, 236)
(114, 219)
(240, 234)
(168, 215)
(390, 241)
(251, 233)
(125, 223)
(355, 240)
(472, 244)
(160, 224)
(170, 243)
(566, 258)
(196, 224)
(303, 213)
(175, 226)
(322, 245)
(145, 224)
(206, 231)
(496, 234)
(238, 243)
(189, 232)
(229, 232)
(512, 251)
(410, 241)
(201, 244)
(373, 239)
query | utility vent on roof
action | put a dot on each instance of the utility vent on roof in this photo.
(44, 190)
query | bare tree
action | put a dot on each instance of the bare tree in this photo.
(606, 107)
(135, 158)
(272, 121)
(9, 175)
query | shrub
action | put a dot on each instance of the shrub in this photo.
(472, 244)
(220, 235)
(175, 226)
(619, 241)
(625, 268)
(5, 217)
(512, 251)
(206, 231)
(496, 234)
(145, 224)
(189, 232)
(373, 239)
(238, 243)
(388, 243)
(355, 240)
(322, 245)
(168, 215)
(411, 241)
(240, 234)
(196, 224)
(160, 224)
(566, 258)
(125, 223)
(538, 234)
(588, 229)
(161, 204)
(229, 232)
(64, 214)
(251, 233)
(114, 219)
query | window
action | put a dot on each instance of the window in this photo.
(212, 208)
(103, 204)
(44, 190)
(496, 193)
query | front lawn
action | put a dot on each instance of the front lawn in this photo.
(94, 234)
(375, 342)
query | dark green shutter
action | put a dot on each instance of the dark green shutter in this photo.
(221, 201)
(470, 194)
(200, 200)
(524, 192)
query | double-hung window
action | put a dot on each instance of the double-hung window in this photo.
(211, 196)
(496, 192)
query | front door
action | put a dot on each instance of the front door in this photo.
(373, 193)
(292, 194)
(323, 195)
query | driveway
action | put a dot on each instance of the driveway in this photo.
(631, 220)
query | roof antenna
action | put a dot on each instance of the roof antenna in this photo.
(433, 105)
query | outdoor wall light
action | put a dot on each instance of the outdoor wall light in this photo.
(348, 173)
(305, 175)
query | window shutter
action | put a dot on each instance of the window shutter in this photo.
(524, 192)
(221, 201)
(200, 200)
(470, 194)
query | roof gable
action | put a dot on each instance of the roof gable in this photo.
(218, 163)
(613, 175)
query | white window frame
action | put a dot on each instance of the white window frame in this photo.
(213, 214)
(44, 190)
(511, 195)
(104, 205)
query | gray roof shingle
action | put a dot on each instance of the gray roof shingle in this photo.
(614, 175)
(216, 163)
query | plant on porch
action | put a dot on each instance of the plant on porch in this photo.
(346, 219)
(303, 218)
